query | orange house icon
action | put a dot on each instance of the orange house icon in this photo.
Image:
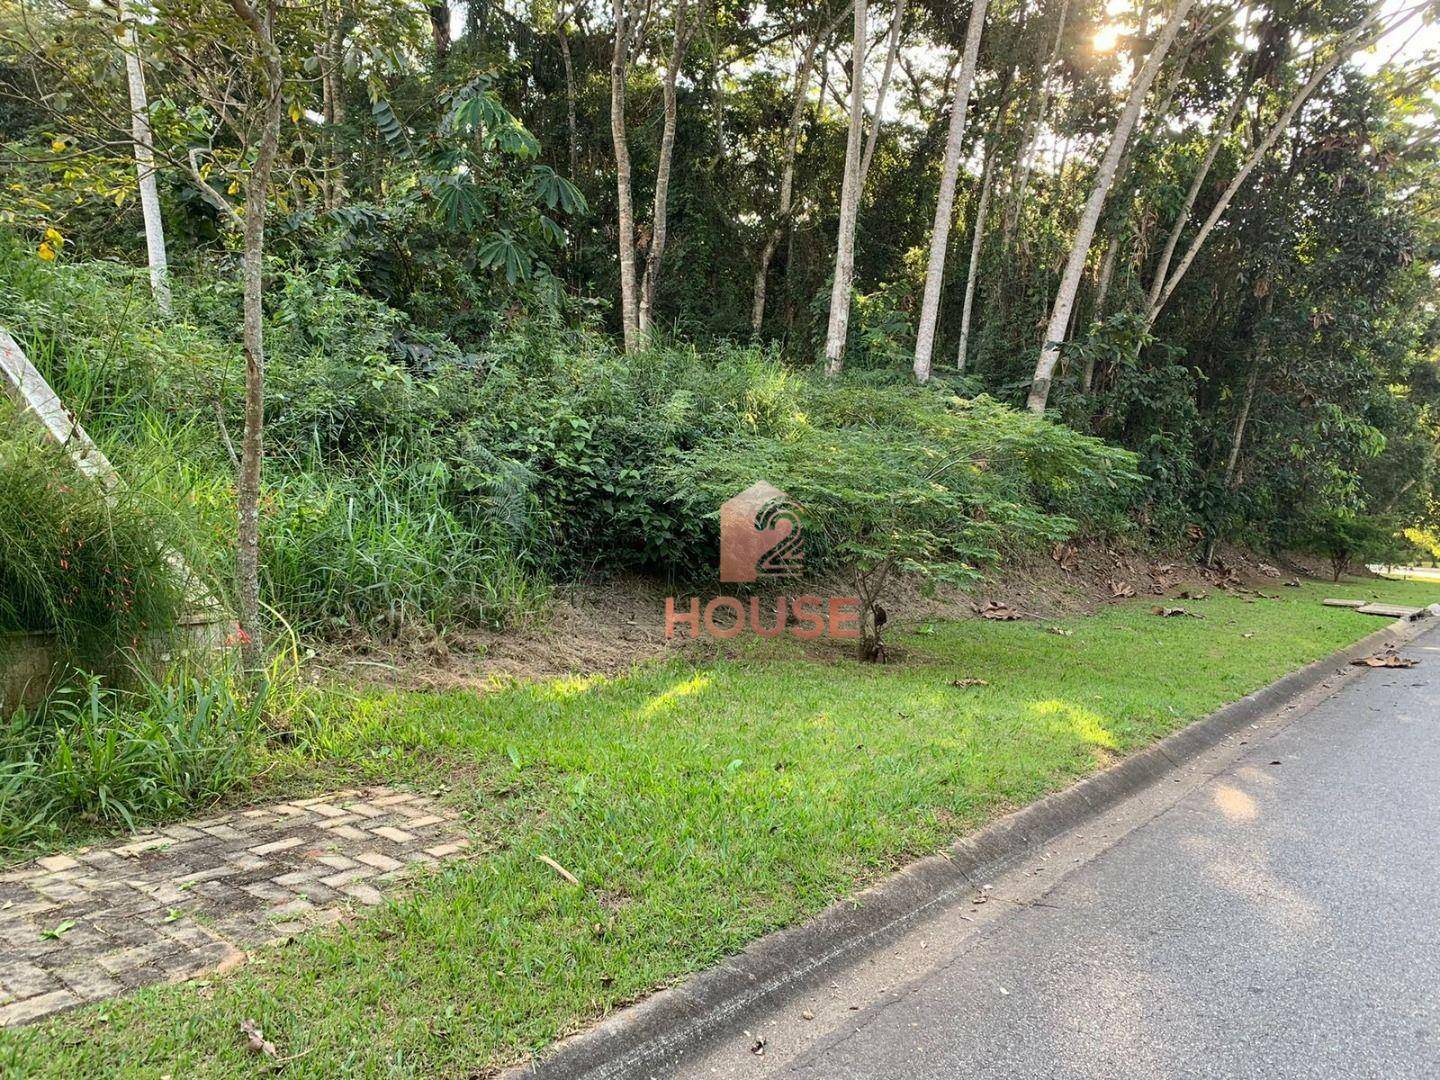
(760, 535)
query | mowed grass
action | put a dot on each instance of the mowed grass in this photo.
(699, 806)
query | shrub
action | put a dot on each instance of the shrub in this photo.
(1348, 540)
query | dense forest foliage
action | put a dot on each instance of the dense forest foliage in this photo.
(537, 280)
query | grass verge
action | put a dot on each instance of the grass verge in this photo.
(699, 806)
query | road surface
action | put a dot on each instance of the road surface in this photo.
(1274, 914)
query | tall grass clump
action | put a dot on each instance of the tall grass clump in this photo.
(92, 757)
(95, 569)
(386, 551)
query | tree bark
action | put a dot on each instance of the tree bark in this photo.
(1262, 351)
(977, 244)
(837, 331)
(659, 222)
(144, 147)
(629, 305)
(1097, 309)
(1090, 218)
(945, 204)
(891, 51)
(1349, 43)
(787, 182)
(247, 488)
(572, 128)
(440, 30)
(333, 94)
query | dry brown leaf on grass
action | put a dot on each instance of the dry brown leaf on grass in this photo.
(1060, 630)
(1120, 589)
(1385, 660)
(1191, 594)
(962, 684)
(1170, 612)
(255, 1040)
(993, 609)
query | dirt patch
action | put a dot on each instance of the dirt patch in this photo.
(606, 628)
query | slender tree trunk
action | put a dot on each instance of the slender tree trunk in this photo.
(1090, 218)
(945, 204)
(787, 183)
(891, 51)
(247, 487)
(145, 161)
(977, 244)
(1025, 159)
(629, 303)
(1348, 45)
(1241, 420)
(659, 223)
(837, 331)
(1097, 309)
(1262, 352)
(572, 128)
(333, 92)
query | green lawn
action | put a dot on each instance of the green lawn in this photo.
(699, 806)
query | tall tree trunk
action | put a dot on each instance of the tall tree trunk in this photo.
(787, 181)
(333, 95)
(891, 51)
(440, 30)
(1348, 44)
(144, 148)
(1026, 154)
(1090, 218)
(977, 244)
(572, 128)
(247, 487)
(945, 204)
(659, 222)
(837, 331)
(629, 302)
(1262, 352)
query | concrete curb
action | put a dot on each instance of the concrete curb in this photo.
(642, 1036)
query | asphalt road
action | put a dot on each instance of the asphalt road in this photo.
(1280, 918)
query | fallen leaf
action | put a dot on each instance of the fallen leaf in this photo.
(994, 610)
(1190, 594)
(1120, 589)
(1066, 557)
(1385, 660)
(807, 1015)
(1060, 630)
(1293, 583)
(54, 933)
(255, 1039)
(1170, 612)
(962, 684)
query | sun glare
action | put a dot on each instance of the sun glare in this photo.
(1106, 37)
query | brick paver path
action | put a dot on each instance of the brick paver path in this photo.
(188, 899)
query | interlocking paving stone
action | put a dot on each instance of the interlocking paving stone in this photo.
(188, 899)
